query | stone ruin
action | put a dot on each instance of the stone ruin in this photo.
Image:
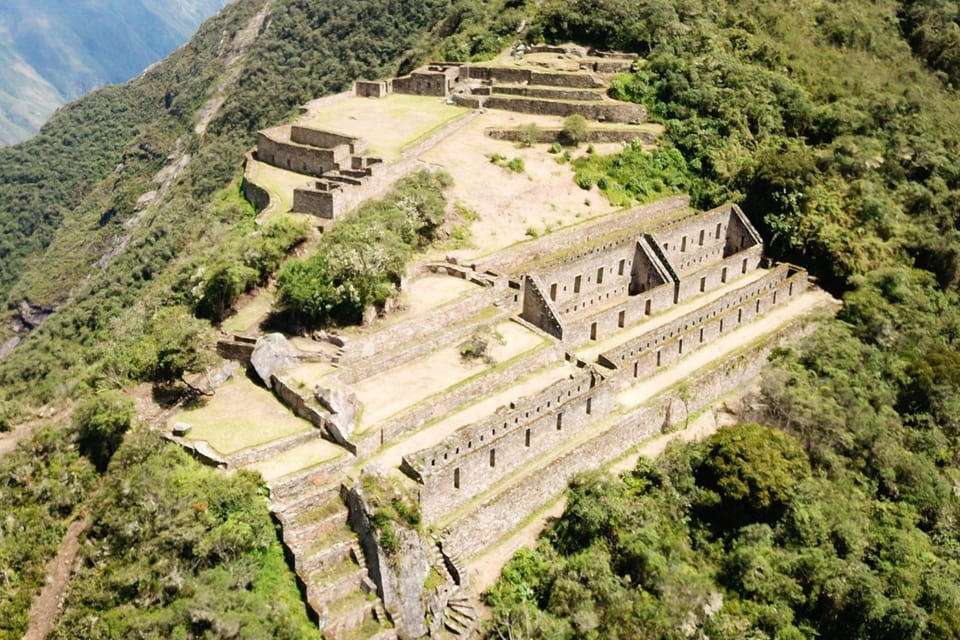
(607, 307)
(612, 303)
(336, 160)
(522, 88)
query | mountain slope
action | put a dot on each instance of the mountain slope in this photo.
(54, 52)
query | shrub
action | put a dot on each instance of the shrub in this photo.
(516, 165)
(101, 423)
(529, 134)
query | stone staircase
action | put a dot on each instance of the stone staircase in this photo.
(328, 562)
(459, 616)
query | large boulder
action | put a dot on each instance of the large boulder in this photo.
(341, 403)
(273, 353)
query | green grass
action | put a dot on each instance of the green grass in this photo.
(241, 415)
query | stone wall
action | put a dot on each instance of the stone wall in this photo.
(550, 93)
(256, 195)
(510, 75)
(310, 161)
(303, 405)
(605, 111)
(507, 510)
(414, 332)
(371, 88)
(327, 140)
(611, 318)
(481, 455)
(538, 309)
(328, 204)
(644, 355)
(568, 241)
(594, 135)
(452, 399)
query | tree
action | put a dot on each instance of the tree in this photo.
(575, 129)
(177, 344)
(753, 471)
(101, 422)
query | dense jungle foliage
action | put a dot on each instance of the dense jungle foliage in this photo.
(836, 125)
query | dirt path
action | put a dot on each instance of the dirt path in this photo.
(46, 606)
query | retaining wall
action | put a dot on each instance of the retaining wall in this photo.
(626, 224)
(606, 111)
(550, 93)
(450, 400)
(550, 135)
(416, 331)
(507, 510)
(481, 455)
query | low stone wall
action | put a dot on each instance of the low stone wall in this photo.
(231, 349)
(606, 111)
(303, 405)
(596, 136)
(507, 510)
(623, 224)
(448, 401)
(480, 455)
(550, 93)
(255, 454)
(408, 333)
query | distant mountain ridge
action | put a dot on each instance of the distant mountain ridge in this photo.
(53, 51)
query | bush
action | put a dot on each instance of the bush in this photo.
(516, 165)
(101, 423)
(529, 134)
(361, 261)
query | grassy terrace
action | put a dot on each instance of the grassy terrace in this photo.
(241, 415)
(402, 387)
(399, 120)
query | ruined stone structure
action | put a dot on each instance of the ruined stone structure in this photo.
(600, 308)
(522, 89)
(584, 331)
(335, 159)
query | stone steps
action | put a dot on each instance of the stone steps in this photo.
(459, 616)
(322, 552)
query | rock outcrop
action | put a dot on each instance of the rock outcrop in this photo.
(272, 354)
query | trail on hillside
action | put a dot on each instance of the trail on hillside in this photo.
(46, 606)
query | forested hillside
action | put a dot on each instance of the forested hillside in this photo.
(835, 125)
(54, 52)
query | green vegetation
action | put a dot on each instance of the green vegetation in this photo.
(198, 558)
(42, 485)
(529, 134)
(101, 422)
(361, 261)
(392, 507)
(843, 147)
(635, 175)
(574, 130)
